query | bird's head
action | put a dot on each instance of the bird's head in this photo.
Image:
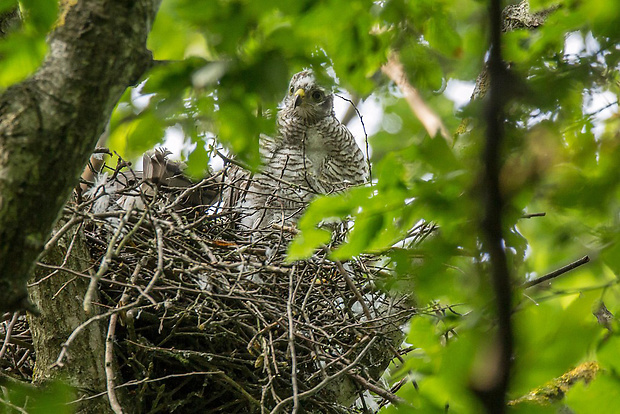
(307, 99)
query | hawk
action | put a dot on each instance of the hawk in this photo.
(312, 153)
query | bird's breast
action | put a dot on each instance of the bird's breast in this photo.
(315, 148)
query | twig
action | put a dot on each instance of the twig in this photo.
(556, 273)
(362, 302)
(13, 406)
(327, 380)
(7, 335)
(291, 341)
(354, 289)
(383, 393)
(66, 227)
(134, 383)
(429, 119)
(530, 215)
(239, 388)
(65, 346)
(105, 263)
(130, 234)
(160, 260)
(361, 118)
(109, 365)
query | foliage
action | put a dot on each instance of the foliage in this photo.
(228, 63)
(53, 399)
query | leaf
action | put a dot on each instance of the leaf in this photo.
(54, 398)
(305, 243)
(137, 135)
(40, 14)
(543, 332)
(608, 354)
(22, 54)
(599, 396)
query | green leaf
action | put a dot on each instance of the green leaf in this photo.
(608, 355)
(543, 330)
(305, 243)
(137, 135)
(40, 14)
(599, 396)
(54, 398)
(198, 161)
(22, 54)
(6, 5)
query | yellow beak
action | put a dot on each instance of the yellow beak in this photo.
(300, 94)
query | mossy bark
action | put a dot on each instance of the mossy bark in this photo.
(49, 124)
(59, 295)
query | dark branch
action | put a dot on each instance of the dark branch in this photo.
(556, 273)
(491, 385)
(527, 216)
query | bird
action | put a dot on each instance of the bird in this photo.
(311, 153)
(128, 189)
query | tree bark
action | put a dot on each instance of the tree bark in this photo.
(59, 295)
(50, 123)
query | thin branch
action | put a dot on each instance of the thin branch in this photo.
(134, 383)
(13, 406)
(291, 341)
(65, 346)
(105, 263)
(556, 273)
(383, 393)
(8, 332)
(160, 261)
(361, 118)
(66, 227)
(109, 366)
(239, 388)
(327, 380)
(354, 289)
(429, 119)
(531, 215)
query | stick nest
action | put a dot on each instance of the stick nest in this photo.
(214, 319)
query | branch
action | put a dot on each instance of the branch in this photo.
(105, 263)
(328, 379)
(531, 215)
(430, 120)
(50, 123)
(7, 335)
(491, 382)
(385, 394)
(556, 389)
(556, 273)
(109, 365)
(291, 340)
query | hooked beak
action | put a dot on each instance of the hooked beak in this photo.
(300, 94)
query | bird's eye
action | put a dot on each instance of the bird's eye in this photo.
(291, 90)
(317, 95)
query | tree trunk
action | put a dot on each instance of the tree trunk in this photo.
(59, 295)
(50, 123)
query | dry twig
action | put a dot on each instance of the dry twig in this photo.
(431, 121)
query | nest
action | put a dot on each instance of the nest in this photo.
(214, 319)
